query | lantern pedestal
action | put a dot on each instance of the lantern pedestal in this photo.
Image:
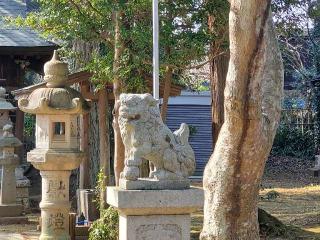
(55, 205)
(55, 169)
(9, 161)
(57, 108)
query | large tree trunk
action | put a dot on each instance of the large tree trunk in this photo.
(218, 72)
(252, 111)
(118, 144)
(89, 169)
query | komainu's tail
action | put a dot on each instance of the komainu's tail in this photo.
(182, 134)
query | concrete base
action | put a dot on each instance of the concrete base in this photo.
(153, 184)
(151, 214)
(10, 210)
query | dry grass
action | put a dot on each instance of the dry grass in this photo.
(294, 206)
(297, 208)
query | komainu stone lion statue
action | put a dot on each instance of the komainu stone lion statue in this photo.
(145, 136)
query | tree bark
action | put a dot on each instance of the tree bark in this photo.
(118, 144)
(94, 148)
(166, 92)
(252, 112)
(218, 72)
(84, 178)
(90, 168)
(103, 107)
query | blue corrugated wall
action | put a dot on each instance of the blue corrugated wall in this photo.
(198, 116)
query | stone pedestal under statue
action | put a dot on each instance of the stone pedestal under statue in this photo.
(9, 161)
(155, 214)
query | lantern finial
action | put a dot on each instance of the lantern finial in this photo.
(56, 72)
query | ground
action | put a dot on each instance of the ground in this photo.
(288, 191)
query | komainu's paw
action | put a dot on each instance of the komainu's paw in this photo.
(130, 173)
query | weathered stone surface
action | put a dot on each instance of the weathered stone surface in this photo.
(8, 185)
(155, 214)
(56, 72)
(22, 187)
(57, 145)
(56, 98)
(154, 184)
(145, 136)
(5, 108)
(163, 227)
(55, 205)
(151, 202)
(46, 159)
(10, 210)
(9, 161)
(13, 220)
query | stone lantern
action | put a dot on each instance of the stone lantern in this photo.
(5, 108)
(57, 108)
(9, 162)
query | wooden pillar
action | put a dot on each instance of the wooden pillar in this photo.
(84, 178)
(103, 108)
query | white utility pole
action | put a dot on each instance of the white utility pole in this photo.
(155, 10)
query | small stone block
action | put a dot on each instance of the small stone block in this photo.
(82, 230)
(10, 210)
(13, 220)
(153, 184)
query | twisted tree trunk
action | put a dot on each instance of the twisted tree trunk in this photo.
(252, 111)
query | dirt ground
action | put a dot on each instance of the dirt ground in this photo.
(289, 192)
(296, 203)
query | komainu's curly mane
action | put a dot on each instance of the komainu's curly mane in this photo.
(145, 136)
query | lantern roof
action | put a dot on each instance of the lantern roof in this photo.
(8, 139)
(4, 104)
(55, 98)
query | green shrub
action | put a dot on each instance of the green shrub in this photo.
(29, 124)
(106, 227)
(292, 142)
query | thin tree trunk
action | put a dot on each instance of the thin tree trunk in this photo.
(103, 107)
(118, 144)
(166, 92)
(84, 178)
(252, 111)
(218, 72)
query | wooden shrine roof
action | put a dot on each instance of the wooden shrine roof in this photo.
(20, 39)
